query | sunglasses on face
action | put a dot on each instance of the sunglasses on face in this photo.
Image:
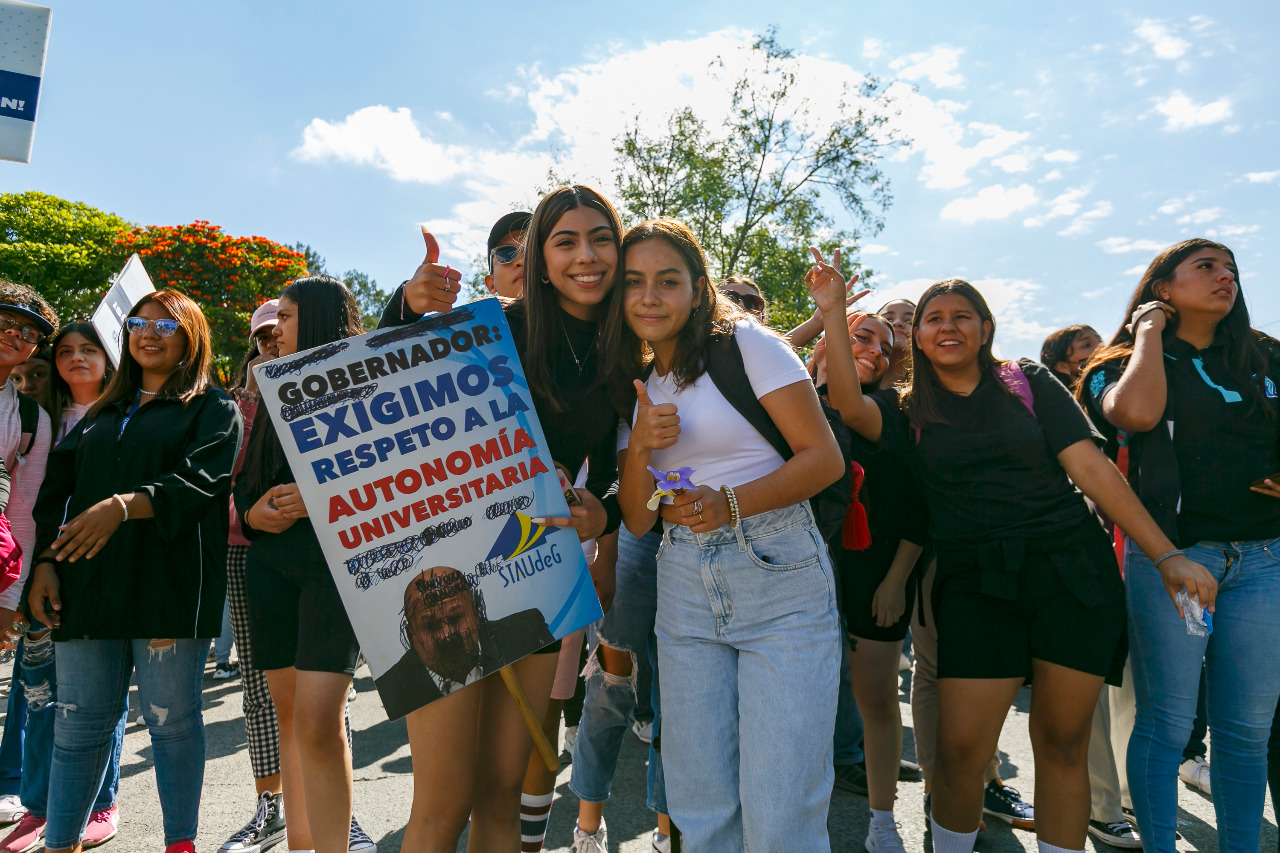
(140, 325)
(747, 301)
(506, 254)
(26, 331)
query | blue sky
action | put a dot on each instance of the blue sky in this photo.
(1057, 146)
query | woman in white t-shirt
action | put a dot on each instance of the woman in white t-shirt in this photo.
(748, 639)
(80, 374)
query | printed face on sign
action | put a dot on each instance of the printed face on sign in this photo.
(442, 623)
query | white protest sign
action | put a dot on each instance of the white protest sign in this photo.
(131, 285)
(25, 31)
(422, 466)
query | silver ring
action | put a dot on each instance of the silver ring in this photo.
(700, 520)
(697, 507)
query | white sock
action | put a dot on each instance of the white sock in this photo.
(882, 816)
(1049, 848)
(578, 832)
(946, 841)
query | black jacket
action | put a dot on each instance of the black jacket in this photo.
(408, 685)
(161, 577)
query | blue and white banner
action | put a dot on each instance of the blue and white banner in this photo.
(25, 31)
(422, 465)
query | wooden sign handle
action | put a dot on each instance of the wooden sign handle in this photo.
(531, 722)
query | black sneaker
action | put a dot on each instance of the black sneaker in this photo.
(358, 841)
(1118, 834)
(909, 771)
(265, 830)
(223, 671)
(852, 778)
(999, 800)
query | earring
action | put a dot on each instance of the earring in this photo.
(546, 280)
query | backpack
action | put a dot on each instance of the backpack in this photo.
(10, 550)
(729, 375)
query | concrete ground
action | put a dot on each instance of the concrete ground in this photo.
(384, 788)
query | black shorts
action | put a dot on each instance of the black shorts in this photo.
(861, 573)
(296, 617)
(1058, 599)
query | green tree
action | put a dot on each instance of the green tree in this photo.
(66, 250)
(755, 184)
(369, 296)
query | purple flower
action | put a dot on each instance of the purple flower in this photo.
(668, 482)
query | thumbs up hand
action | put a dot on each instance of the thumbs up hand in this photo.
(657, 426)
(433, 288)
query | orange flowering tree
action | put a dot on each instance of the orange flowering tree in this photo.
(228, 276)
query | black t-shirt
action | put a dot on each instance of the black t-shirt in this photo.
(1222, 442)
(992, 470)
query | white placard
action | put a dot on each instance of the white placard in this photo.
(130, 286)
(24, 38)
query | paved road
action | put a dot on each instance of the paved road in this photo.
(384, 788)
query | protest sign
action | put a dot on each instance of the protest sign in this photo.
(131, 285)
(422, 466)
(26, 37)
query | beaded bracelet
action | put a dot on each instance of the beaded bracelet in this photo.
(734, 518)
(1174, 553)
(123, 507)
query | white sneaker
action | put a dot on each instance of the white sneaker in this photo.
(11, 808)
(570, 735)
(596, 842)
(904, 662)
(884, 838)
(661, 843)
(644, 730)
(1195, 772)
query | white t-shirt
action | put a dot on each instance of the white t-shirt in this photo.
(720, 445)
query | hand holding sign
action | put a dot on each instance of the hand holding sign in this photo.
(432, 288)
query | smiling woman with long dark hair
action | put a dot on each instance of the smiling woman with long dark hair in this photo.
(1027, 585)
(1189, 389)
(133, 582)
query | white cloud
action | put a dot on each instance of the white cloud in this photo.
(1055, 175)
(1263, 177)
(1084, 223)
(872, 48)
(874, 249)
(1164, 43)
(994, 202)
(1061, 156)
(1132, 271)
(1171, 206)
(1012, 163)
(938, 65)
(1121, 245)
(1182, 113)
(577, 112)
(1200, 217)
(1066, 204)
(1233, 231)
(938, 135)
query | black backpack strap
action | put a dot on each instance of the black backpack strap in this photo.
(729, 374)
(29, 415)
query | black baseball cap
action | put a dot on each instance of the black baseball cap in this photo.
(518, 221)
(28, 311)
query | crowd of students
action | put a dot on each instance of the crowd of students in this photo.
(1103, 525)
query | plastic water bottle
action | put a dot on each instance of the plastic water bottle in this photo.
(1199, 620)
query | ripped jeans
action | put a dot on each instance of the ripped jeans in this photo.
(94, 691)
(610, 699)
(36, 670)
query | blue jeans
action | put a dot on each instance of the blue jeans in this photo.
(40, 684)
(1242, 679)
(749, 656)
(15, 721)
(610, 699)
(222, 645)
(94, 678)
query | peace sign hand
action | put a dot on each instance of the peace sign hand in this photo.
(827, 284)
(432, 288)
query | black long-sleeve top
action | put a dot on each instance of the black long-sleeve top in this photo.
(586, 428)
(160, 577)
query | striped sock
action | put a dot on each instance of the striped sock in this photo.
(535, 811)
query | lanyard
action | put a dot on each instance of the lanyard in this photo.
(137, 401)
